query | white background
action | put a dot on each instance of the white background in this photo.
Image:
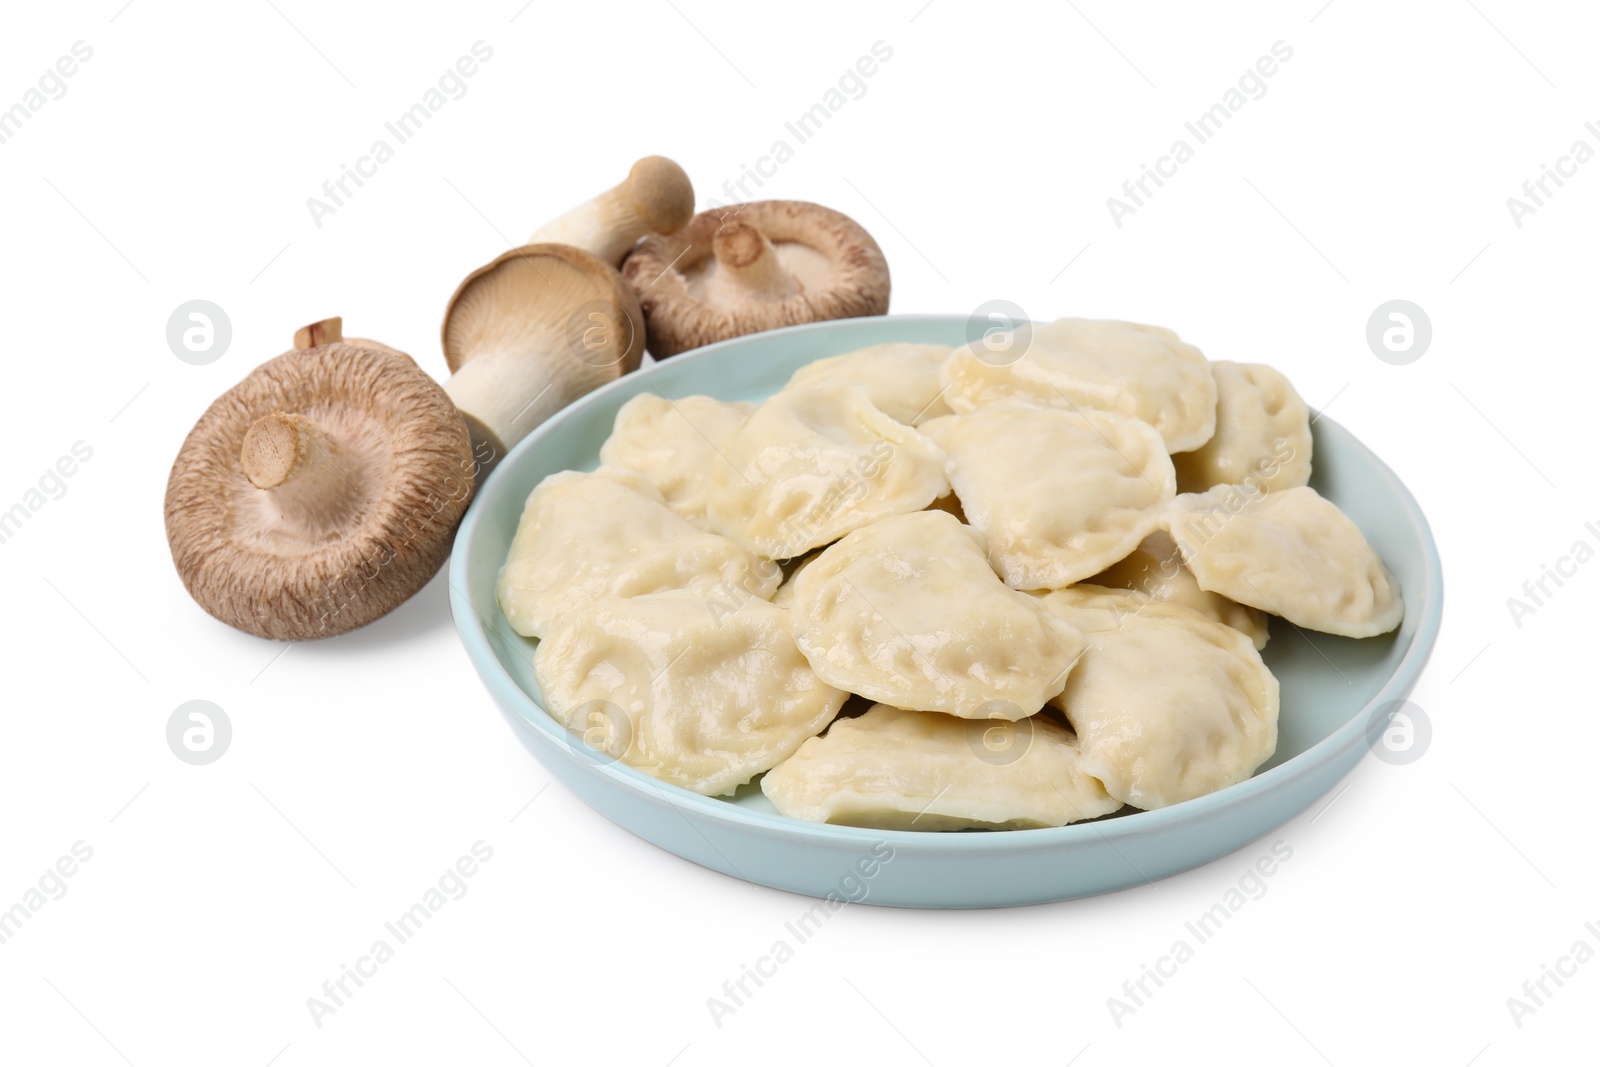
(219, 898)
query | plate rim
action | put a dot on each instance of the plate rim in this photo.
(507, 693)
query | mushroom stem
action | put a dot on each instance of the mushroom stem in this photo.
(505, 395)
(748, 260)
(656, 197)
(325, 332)
(331, 332)
(530, 333)
(305, 471)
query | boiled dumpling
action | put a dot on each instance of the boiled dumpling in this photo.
(919, 770)
(1263, 433)
(1168, 705)
(1289, 552)
(785, 594)
(676, 444)
(814, 462)
(901, 378)
(1139, 372)
(700, 699)
(907, 612)
(949, 503)
(608, 532)
(1156, 570)
(1057, 495)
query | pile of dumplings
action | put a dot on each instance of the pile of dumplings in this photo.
(1045, 575)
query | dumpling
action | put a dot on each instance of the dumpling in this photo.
(785, 594)
(1167, 704)
(919, 770)
(700, 699)
(1263, 433)
(901, 378)
(1138, 372)
(907, 612)
(814, 462)
(949, 503)
(1057, 495)
(1291, 553)
(1156, 570)
(676, 444)
(608, 532)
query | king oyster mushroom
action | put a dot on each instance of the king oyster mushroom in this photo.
(320, 492)
(766, 264)
(656, 197)
(531, 332)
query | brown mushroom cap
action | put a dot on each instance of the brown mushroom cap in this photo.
(766, 264)
(532, 331)
(320, 492)
(533, 295)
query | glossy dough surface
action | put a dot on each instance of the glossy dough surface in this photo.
(1156, 569)
(1057, 495)
(785, 594)
(1123, 368)
(675, 444)
(1290, 553)
(918, 770)
(814, 462)
(701, 699)
(1135, 513)
(903, 380)
(1168, 705)
(608, 532)
(907, 612)
(1263, 433)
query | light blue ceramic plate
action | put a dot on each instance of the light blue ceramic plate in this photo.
(1331, 686)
